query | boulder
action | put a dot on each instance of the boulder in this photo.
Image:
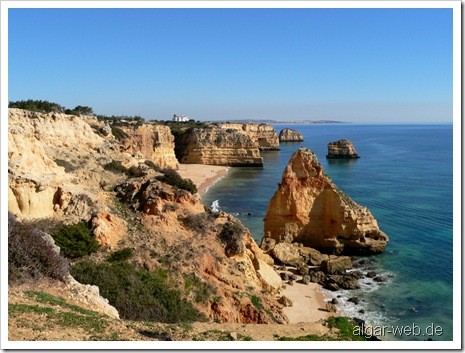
(317, 277)
(344, 282)
(336, 266)
(287, 254)
(269, 278)
(285, 301)
(306, 279)
(313, 256)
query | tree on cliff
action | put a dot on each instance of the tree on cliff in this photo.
(37, 106)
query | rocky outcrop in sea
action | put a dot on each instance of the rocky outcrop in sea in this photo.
(290, 135)
(341, 149)
(309, 208)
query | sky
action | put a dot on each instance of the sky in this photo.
(354, 65)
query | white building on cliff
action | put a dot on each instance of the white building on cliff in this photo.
(180, 118)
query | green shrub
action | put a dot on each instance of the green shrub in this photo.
(118, 133)
(257, 302)
(137, 294)
(65, 164)
(30, 256)
(152, 165)
(172, 177)
(76, 240)
(116, 167)
(121, 255)
(346, 328)
(232, 235)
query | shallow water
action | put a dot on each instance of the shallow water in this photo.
(405, 179)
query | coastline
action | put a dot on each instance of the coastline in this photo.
(203, 176)
(309, 301)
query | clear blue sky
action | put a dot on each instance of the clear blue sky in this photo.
(358, 65)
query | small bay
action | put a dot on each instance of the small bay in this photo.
(404, 176)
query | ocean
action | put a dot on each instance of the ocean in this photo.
(404, 176)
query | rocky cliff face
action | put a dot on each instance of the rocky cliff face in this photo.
(152, 142)
(49, 161)
(308, 208)
(216, 146)
(290, 135)
(263, 135)
(214, 247)
(342, 149)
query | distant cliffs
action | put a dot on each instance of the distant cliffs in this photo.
(218, 146)
(264, 135)
(308, 208)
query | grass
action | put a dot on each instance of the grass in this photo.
(217, 335)
(46, 298)
(92, 323)
(345, 332)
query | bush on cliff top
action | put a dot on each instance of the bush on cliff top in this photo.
(76, 240)
(37, 106)
(137, 294)
(172, 177)
(30, 256)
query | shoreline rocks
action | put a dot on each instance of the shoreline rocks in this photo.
(343, 149)
(290, 135)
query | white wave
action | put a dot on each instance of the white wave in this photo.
(216, 206)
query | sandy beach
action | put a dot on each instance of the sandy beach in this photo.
(309, 304)
(202, 175)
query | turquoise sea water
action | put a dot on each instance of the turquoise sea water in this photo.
(404, 176)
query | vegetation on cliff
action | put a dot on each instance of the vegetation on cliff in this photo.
(49, 107)
(30, 255)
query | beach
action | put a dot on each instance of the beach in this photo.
(203, 176)
(309, 303)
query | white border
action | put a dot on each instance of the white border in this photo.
(457, 211)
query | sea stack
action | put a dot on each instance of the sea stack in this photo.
(341, 149)
(308, 208)
(290, 135)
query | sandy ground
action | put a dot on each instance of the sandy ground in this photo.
(202, 175)
(308, 303)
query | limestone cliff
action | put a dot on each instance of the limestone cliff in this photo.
(49, 158)
(308, 208)
(342, 149)
(264, 135)
(216, 146)
(290, 135)
(152, 142)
